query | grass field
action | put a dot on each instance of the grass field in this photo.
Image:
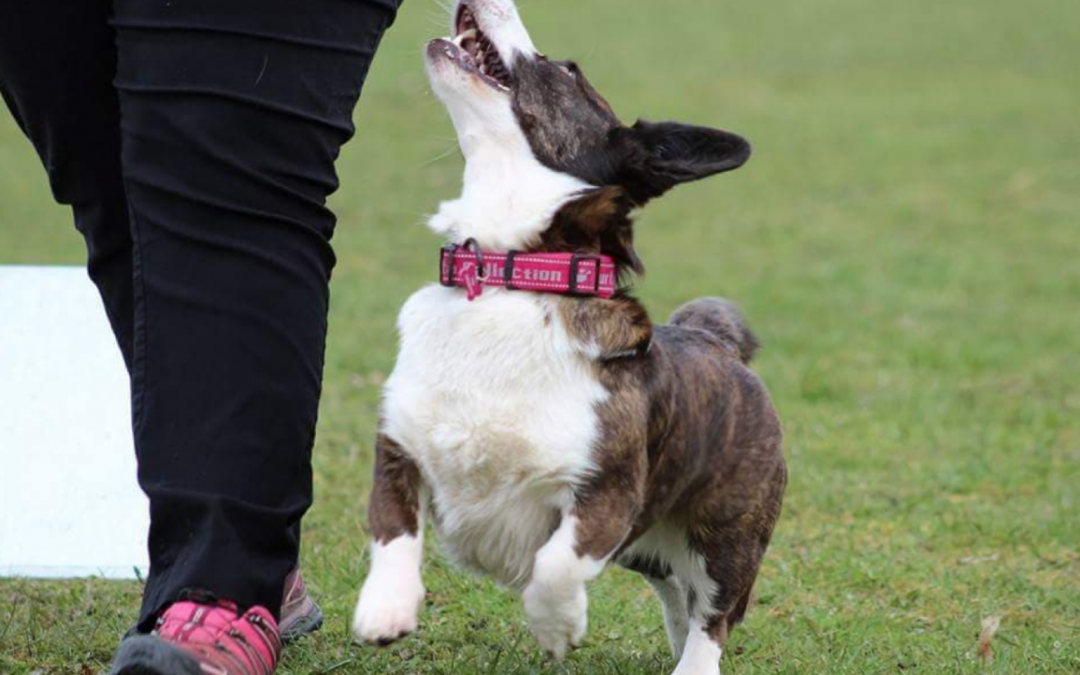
(906, 241)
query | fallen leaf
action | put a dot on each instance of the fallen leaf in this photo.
(990, 627)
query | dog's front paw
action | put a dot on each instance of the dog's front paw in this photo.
(388, 609)
(558, 615)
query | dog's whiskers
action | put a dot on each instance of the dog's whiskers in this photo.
(451, 151)
(447, 7)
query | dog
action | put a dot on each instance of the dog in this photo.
(536, 416)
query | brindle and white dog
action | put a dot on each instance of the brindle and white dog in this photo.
(548, 435)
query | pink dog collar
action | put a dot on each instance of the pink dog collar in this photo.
(466, 266)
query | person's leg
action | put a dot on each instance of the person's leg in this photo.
(57, 62)
(233, 115)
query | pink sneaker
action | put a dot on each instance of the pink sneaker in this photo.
(203, 636)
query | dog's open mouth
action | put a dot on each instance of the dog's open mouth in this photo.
(475, 52)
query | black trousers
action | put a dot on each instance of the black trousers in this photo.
(195, 141)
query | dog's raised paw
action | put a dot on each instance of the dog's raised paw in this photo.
(558, 621)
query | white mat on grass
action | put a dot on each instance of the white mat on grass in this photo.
(69, 502)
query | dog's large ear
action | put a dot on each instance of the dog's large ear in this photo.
(660, 155)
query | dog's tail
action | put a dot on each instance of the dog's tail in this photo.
(721, 318)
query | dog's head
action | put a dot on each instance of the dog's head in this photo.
(545, 150)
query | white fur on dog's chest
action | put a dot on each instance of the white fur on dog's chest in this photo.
(497, 405)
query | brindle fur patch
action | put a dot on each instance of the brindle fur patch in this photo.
(617, 327)
(597, 223)
(394, 508)
(689, 438)
(610, 503)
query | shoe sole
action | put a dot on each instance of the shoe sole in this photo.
(146, 655)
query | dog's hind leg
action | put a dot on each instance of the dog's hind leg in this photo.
(671, 593)
(394, 591)
(676, 614)
(728, 535)
(707, 618)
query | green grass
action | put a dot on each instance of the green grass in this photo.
(907, 243)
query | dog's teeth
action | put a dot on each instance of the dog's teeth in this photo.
(465, 35)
